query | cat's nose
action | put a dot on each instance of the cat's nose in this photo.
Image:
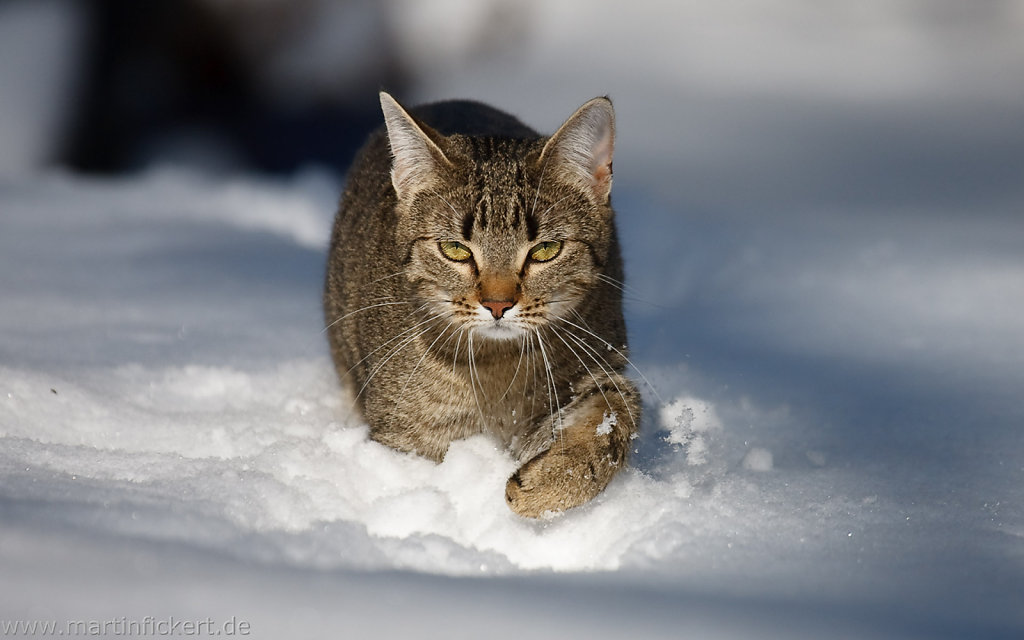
(498, 307)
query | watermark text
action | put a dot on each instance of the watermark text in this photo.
(148, 626)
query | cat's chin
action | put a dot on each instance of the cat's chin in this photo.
(499, 331)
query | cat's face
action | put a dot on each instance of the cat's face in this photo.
(501, 263)
(504, 237)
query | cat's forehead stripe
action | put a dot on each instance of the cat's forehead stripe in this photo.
(504, 193)
(501, 212)
(495, 208)
(531, 226)
(483, 208)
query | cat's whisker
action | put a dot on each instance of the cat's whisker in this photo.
(552, 386)
(613, 348)
(598, 360)
(522, 350)
(384, 345)
(383, 278)
(587, 367)
(426, 352)
(474, 376)
(547, 387)
(397, 337)
(373, 282)
(612, 281)
(629, 293)
(421, 308)
(455, 358)
(444, 200)
(367, 307)
(554, 204)
(389, 356)
(448, 340)
(403, 338)
(540, 182)
(533, 367)
(416, 310)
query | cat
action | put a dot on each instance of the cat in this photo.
(474, 285)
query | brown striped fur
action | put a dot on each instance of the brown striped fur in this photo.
(531, 352)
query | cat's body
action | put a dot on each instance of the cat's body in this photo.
(473, 285)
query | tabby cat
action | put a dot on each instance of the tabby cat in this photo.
(474, 285)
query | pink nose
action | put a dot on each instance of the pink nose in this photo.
(498, 307)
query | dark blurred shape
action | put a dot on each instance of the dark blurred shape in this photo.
(194, 81)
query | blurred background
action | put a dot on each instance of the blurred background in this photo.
(724, 107)
(836, 183)
(821, 207)
(838, 180)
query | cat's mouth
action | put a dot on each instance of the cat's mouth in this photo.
(503, 325)
(499, 330)
(497, 319)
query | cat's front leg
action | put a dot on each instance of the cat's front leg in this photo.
(584, 455)
(419, 422)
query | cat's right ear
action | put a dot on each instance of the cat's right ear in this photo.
(582, 148)
(416, 159)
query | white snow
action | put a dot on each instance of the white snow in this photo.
(164, 379)
(831, 442)
(608, 423)
(690, 423)
(758, 459)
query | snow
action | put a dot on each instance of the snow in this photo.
(165, 393)
(690, 422)
(608, 422)
(830, 343)
(758, 459)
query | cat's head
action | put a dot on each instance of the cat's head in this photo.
(503, 234)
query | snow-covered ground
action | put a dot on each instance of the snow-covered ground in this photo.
(833, 433)
(825, 257)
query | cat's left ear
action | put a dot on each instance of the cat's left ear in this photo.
(417, 160)
(582, 148)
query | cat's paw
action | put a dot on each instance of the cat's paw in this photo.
(554, 481)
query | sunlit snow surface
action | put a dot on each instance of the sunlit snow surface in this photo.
(832, 438)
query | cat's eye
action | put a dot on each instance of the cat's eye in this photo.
(455, 251)
(546, 251)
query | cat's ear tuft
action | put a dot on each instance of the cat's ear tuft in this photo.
(582, 148)
(416, 158)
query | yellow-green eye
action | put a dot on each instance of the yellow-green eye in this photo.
(545, 251)
(455, 251)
